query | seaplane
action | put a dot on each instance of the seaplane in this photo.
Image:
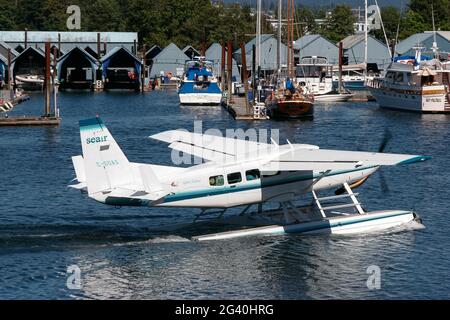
(236, 173)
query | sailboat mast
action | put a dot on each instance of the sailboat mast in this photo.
(258, 33)
(435, 47)
(280, 4)
(366, 25)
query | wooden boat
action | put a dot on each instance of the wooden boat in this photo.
(289, 106)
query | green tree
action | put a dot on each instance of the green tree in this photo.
(7, 15)
(441, 9)
(306, 18)
(391, 19)
(412, 23)
(339, 24)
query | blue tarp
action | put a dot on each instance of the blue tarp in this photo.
(2, 70)
(190, 74)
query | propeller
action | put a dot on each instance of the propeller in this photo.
(384, 187)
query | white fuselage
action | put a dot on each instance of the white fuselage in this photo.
(192, 187)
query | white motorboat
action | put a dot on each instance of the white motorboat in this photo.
(414, 84)
(334, 97)
(199, 86)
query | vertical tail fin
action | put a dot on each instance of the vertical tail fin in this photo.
(105, 164)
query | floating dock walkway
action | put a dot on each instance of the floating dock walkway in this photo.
(239, 111)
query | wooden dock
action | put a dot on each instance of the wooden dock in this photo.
(238, 111)
(29, 121)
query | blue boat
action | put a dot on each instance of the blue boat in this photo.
(199, 85)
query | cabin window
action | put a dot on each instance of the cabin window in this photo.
(390, 76)
(271, 173)
(234, 178)
(399, 77)
(216, 181)
(252, 174)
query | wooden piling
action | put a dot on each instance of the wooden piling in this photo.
(230, 70)
(47, 86)
(144, 47)
(254, 72)
(340, 66)
(59, 44)
(222, 68)
(9, 70)
(98, 46)
(245, 76)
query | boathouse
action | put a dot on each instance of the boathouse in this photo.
(4, 49)
(64, 41)
(191, 52)
(268, 61)
(151, 54)
(214, 54)
(377, 53)
(170, 61)
(3, 71)
(425, 40)
(121, 69)
(77, 69)
(316, 45)
(31, 62)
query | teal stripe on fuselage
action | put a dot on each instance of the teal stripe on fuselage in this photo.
(213, 191)
(91, 124)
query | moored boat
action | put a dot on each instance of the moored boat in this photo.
(199, 86)
(289, 103)
(415, 85)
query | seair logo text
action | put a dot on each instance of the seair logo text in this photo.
(96, 139)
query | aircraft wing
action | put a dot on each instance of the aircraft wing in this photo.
(209, 147)
(322, 160)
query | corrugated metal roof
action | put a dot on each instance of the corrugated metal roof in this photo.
(154, 47)
(169, 59)
(116, 50)
(64, 56)
(412, 41)
(38, 51)
(352, 40)
(306, 40)
(214, 53)
(6, 47)
(249, 45)
(445, 34)
(189, 47)
(68, 36)
(171, 52)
